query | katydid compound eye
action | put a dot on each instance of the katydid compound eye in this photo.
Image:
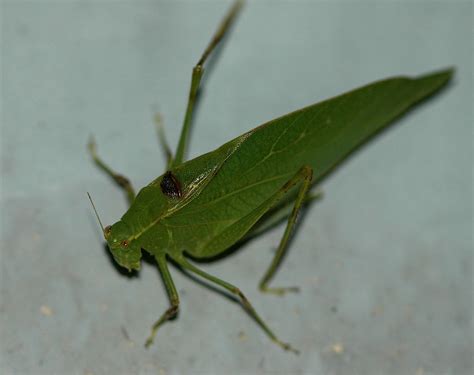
(107, 230)
(124, 243)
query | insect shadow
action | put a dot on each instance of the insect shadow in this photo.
(122, 271)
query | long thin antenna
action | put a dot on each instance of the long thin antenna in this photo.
(96, 214)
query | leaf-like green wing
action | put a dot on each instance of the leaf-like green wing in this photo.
(320, 135)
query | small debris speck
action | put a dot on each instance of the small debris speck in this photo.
(242, 336)
(313, 280)
(125, 333)
(377, 311)
(46, 310)
(337, 348)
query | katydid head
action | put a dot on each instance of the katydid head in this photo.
(125, 250)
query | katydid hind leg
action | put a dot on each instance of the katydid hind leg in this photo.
(198, 71)
(304, 175)
(239, 229)
(173, 296)
(280, 213)
(119, 179)
(238, 293)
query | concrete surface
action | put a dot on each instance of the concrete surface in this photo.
(384, 261)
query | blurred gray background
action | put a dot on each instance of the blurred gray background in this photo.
(384, 261)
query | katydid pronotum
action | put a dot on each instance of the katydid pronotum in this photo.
(198, 208)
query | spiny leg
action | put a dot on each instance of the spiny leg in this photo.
(172, 311)
(281, 212)
(305, 173)
(244, 225)
(245, 302)
(121, 180)
(160, 130)
(198, 71)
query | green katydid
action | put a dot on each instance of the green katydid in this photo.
(198, 208)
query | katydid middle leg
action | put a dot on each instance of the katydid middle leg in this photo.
(173, 296)
(238, 293)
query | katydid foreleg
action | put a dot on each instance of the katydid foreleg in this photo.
(119, 179)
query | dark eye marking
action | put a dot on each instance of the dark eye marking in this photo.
(124, 243)
(170, 186)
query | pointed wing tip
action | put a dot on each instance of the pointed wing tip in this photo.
(443, 75)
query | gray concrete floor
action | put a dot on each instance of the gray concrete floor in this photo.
(384, 260)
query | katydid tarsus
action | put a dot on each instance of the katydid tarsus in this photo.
(199, 208)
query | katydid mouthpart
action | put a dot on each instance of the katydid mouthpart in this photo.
(198, 208)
